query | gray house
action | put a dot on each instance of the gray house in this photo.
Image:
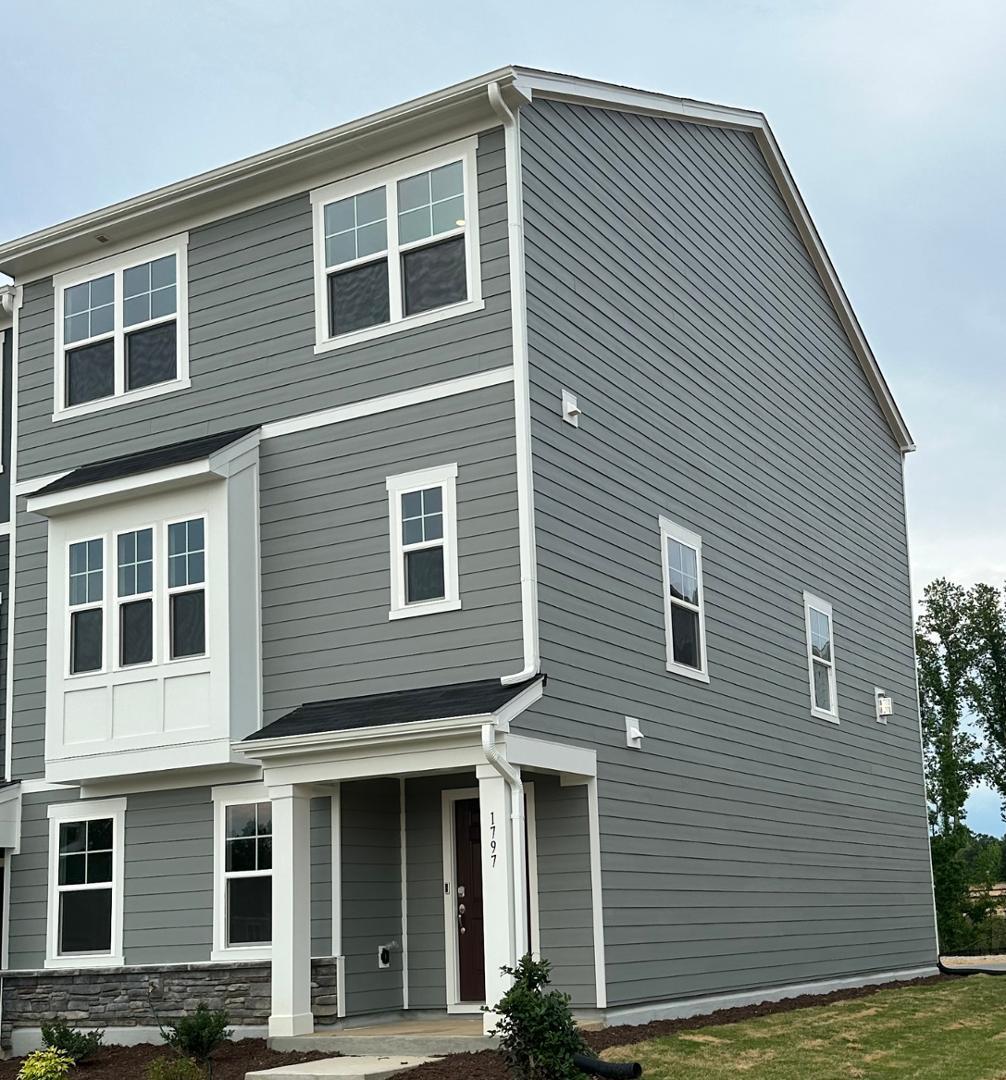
(478, 528)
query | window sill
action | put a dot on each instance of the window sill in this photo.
(425, 609)
(84, 962)
(237, 955)
(129, 398)
(687, 672)
(408, 323)
(820, 714)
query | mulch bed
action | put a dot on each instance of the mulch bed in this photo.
(488, 1065)
(230, 1062)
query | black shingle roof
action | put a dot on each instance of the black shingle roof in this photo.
(396, 707)
(146, 460)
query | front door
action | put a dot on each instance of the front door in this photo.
(471, 954)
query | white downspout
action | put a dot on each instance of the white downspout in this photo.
(512, 777)
(521, 392)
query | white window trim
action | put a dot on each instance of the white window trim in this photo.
(388, 177)
(231, 795)
(445, 477)
(69, 609)
(116, 264)
(669, 530)
(86, 810)
(170, 590)
(118, 601)
(811, 601)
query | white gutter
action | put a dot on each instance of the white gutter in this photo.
(512, 777)
(521, 392)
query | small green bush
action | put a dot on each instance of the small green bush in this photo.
(47, 1064)
(538, 1035)
(80, 1045)
(990, 935)
(175, 1068)
(198, 1034)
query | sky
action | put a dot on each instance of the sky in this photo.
(890, 114)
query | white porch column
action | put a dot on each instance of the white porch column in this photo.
(497, 884)
(291, 911)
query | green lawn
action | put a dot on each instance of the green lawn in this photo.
(952, 1030)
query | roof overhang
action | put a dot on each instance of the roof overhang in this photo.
(297, 166)
(218, 465)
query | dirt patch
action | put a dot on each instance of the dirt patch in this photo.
(488, 1065)
(230, 1062)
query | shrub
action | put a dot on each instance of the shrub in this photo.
(47, 1064)
(198, 1034)
(175, 1068)
(80, 1045)
(537, 1033)
(990, 935)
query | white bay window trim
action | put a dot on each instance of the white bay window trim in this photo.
(83, 811)
(387, 177)
(444, 477)
(116, 265)
(223, 797)
(669, 531)
(814, 603)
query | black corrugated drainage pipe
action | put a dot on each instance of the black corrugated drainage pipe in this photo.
(609, 1070)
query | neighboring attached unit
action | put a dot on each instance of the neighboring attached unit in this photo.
(473, 530)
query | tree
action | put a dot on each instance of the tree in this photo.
(945, 647)
(986, 617)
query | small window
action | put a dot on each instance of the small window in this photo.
(820, 658)
(85, 882)
(121, 328)
(397, 245)
(186, 587)
(684, 603)
(135, 596)
(424, 572)
(248, 874)
(86, 601)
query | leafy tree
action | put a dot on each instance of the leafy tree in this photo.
(945, 647)
(986, 617)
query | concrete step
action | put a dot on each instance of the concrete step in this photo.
(345, 1068)
(393, 1042)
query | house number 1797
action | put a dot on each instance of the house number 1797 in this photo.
(492, 837)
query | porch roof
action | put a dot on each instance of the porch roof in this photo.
(448, 702)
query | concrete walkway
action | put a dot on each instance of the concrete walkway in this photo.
(345, 1068)
(411, 1037)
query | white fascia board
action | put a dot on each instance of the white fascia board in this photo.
(552, 757)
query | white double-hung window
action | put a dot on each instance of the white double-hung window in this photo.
(85, 883)
(243, 872)
(684, 601)
(397, 247)
(121, 328)
(422, 511)
(820, 658)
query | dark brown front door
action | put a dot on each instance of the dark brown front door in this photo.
(471, 954)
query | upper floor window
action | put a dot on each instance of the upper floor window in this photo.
(684, 601)
(145, 583)
(820, 658)
(397, 247)
(424, 558)
(121, 328)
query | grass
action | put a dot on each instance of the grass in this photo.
(953, 1030)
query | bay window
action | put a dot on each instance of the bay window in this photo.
(397, 246)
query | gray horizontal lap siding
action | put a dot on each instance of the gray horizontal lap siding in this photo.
(251, 331)
(28, 660)
(747, 844)
(4, 626)
(325, 553)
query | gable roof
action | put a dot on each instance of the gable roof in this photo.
(297, 166)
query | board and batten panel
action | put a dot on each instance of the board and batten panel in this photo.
(747, 844)
(325, 553)
(168, 898)
(371, 893)
(565, 900)
(251, 338)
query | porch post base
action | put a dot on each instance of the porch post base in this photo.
(301, 1024)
